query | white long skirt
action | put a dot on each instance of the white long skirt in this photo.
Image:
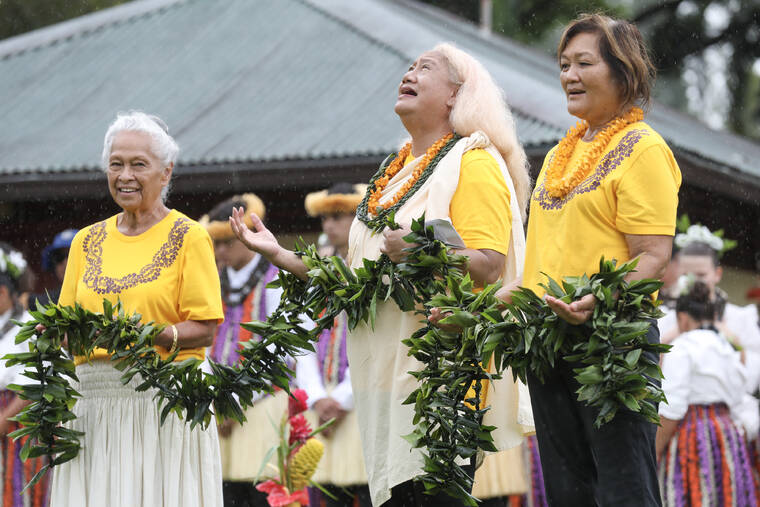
(127, 458)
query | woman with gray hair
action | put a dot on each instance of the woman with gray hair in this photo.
(463, 164)
(160, 264)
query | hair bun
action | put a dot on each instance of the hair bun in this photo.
(700, 292)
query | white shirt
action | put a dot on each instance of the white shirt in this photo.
(238, 278)
(701, 368)
(740, 320)
(8, 345)
(309, 378)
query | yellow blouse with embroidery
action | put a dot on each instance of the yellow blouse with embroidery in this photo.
(632, 190)
(482, 218)
(167, 274)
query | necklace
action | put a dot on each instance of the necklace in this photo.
(560, 179)
(370, 205)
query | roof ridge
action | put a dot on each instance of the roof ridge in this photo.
(494, 39)
(313, 4)
(51, 34)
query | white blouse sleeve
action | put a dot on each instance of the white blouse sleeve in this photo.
(343, 393)
(676, 370)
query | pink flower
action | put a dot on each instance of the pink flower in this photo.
(299, 429)
(278, 496)
(297, 402)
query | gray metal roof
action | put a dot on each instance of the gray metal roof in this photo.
(268, 80)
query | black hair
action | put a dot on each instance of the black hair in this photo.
(697, 303)
(700, 249)
(222, 211)
(341, 188)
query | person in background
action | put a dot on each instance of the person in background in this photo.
(325, 374)
(14, 472)
(54, 258)
(703, 457)
(159, 263)
(699, 256)
(245, 297)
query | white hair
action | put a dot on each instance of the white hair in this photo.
(480, 105)
(164, 146)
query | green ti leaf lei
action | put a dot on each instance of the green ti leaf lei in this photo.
(384, 215)
(526, 336)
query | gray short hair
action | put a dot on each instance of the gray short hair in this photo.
(164, 145)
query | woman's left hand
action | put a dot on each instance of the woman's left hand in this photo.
(393, 244)
(576, 312)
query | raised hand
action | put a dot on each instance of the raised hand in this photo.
(258, 238)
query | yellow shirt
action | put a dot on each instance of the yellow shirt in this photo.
(632, 190)
(167, 274)
(479, 209)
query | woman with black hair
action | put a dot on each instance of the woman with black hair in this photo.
(703, 456)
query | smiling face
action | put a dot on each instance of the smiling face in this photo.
(592, 92)
(426, 89)
(136, 176)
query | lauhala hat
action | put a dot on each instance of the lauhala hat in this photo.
(339, 198)
(221, 229)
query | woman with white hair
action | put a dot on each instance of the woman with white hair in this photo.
(463, 164)
(160, 264)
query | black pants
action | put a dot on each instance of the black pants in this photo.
(243, 494)
(614, 465)
(411, 494)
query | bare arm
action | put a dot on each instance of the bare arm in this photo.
(190, 334)
(664, 433)
(653, 252)
(261, 240)
(484, 266)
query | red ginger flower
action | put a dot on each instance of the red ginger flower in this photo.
(297, 403)
(278, 495)
(299, 429)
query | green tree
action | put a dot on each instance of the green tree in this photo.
(676, 31)
(19, 16)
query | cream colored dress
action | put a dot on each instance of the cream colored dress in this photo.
(379, 361)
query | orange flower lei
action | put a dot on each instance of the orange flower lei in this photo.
(394, 167)
(560, 179)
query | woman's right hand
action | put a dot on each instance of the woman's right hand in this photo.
(259, 239)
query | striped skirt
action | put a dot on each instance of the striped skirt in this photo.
(16, 473)
(707, 462)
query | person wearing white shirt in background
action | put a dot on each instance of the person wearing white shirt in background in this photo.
(703, 457)
(324, 374)
(14, 473)
(699, 256)
(243, 276)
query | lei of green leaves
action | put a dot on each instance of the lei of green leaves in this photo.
(612, 370)
(383, 215)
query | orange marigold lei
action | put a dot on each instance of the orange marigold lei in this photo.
(393, 169)
(560, 179)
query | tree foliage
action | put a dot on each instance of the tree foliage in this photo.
(675, 30)
(20, 16)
